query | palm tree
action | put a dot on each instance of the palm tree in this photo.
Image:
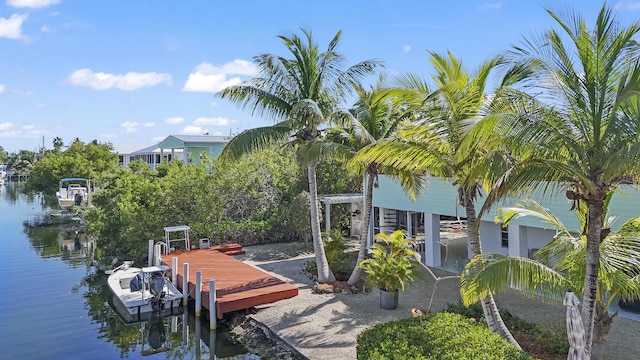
(57, 143)
(375, 116)
(560, 266)
(300, 93)
(434, 144)
(585, 144)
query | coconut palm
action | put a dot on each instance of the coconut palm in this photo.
(585, 144)
(560, 266)
(300, 93)
(375, 116)
(434, 144)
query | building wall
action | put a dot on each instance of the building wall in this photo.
(441, 198)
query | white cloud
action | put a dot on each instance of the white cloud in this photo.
(6, 126)
(149, 124)
(491, 6)
(213, 121)
(193, 130)
(210, 78)
(1, 88)
(130, 126)
(406, 49)
(127, 82)
(23, 92)
(11, 28)
(33, 4)
(628, 5)
(109, 136)
(174, 120)
(45, 29)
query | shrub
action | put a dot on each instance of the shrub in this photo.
(338, 259)
(391, 266)
(441, 336)
(552, 339)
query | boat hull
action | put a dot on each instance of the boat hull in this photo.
(133, 303)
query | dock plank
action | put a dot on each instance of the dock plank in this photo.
(238, 286)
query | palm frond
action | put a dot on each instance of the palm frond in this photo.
(255, 139)
(500, 274)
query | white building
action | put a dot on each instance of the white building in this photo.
(437, 209)
(151, 154)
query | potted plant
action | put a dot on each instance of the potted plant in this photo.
(339, 261)
(391, 266)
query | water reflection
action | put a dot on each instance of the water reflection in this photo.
(81, 323)
(56, 234)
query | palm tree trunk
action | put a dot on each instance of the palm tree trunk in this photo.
(601, 330)
(489, 306)
(590, 295)
(355, 275)
(324, 274)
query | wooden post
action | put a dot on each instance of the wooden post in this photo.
(185, 284)
(174, 271)
(150, 262)
(198, 293)
(213, 319)
(157, 256)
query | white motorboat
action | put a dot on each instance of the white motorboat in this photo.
(74, 192)
(143, 290)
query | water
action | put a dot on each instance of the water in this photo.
(54, 305)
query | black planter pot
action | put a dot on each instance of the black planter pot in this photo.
(388, 299)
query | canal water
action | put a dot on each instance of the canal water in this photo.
(55, 305)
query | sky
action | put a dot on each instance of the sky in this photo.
(136, 71)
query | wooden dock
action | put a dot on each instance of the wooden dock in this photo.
(238, 286)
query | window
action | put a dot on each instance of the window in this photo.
(504, 236)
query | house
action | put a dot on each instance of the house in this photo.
(436, 212)
(194, 148)
(189, 148)
(151, 154)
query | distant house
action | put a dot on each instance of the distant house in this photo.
(194, 148)
(151, 154)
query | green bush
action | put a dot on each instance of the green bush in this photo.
(440, 336)
(553, 339)
(334, 249)
(391, 266)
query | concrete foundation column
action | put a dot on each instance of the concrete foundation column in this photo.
(432, 240)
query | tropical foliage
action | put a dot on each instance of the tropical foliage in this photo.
(584, 137)
(560, 266)
(300, 93)
(375, 116)
(393, 263)
(91, 161)
(246, 202)
(435, 336)
(433, 144)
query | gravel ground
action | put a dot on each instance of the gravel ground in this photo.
(325, 326)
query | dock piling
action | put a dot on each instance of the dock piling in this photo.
(174, 271)
(185, 284)
(150, 261)
(198, 293)
(213, 320)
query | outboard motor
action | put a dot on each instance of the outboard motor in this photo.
(156, 286)
(77, 199)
